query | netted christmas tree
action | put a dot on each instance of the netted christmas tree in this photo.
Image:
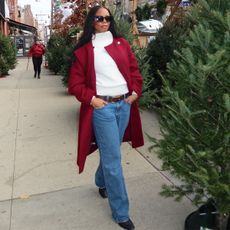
(195, 114)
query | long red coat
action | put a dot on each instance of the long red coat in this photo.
(82, 84)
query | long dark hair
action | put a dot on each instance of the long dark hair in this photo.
(89, 30)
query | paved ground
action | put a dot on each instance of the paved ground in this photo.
(40, 188)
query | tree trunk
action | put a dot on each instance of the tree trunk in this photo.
(222, 222)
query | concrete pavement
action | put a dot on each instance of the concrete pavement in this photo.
(40, 188)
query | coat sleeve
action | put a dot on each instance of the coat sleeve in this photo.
(77, 82)
(135, 74)
(30, 53)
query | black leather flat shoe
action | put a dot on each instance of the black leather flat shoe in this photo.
(103, 193)
(127, 225)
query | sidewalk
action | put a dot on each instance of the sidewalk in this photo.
(40, 188)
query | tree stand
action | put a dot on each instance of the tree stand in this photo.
(207, 217)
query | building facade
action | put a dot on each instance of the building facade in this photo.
(4, 13)
(18, 24)
(27, 16)
(13, 9)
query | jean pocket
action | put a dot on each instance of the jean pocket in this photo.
(127, 103)
(100, 108)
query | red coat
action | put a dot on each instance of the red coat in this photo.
(82, 84)
(36, 50)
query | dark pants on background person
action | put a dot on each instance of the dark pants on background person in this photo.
(37, 62)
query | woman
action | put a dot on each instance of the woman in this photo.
(105, 78)
(36, 51)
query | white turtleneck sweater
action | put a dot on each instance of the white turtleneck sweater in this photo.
(109, 80)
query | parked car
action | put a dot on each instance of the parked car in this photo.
(149, 26)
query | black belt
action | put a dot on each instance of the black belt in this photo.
(113, 98)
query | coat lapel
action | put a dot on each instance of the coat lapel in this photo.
(116, 51)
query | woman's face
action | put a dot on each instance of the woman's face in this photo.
(102, 20)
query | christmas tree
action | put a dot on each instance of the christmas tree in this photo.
(195, 114)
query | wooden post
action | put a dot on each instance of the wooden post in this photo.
(134, 7)
(134, 26)
(176, 4)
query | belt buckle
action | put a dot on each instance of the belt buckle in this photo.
(116, 99)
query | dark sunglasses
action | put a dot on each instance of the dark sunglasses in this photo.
(101, 18)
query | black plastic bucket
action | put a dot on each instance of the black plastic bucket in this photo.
(205, 217)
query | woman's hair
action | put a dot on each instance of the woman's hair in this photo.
(89, 30)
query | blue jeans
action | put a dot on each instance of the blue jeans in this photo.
(109, 124)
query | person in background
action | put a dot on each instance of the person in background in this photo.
(105, 78)
(36, 51)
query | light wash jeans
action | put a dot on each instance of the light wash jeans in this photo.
(109, 124)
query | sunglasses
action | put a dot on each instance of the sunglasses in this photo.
(101, 18)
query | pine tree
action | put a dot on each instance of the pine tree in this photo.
(195, 114)
(7, 55)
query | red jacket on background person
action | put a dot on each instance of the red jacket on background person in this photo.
(36, 50)
(82, 84)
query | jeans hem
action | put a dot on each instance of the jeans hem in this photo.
(120, 221)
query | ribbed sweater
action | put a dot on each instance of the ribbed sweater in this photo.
(109, 80)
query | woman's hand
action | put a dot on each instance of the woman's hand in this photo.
(98, 103)
(130, 99)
